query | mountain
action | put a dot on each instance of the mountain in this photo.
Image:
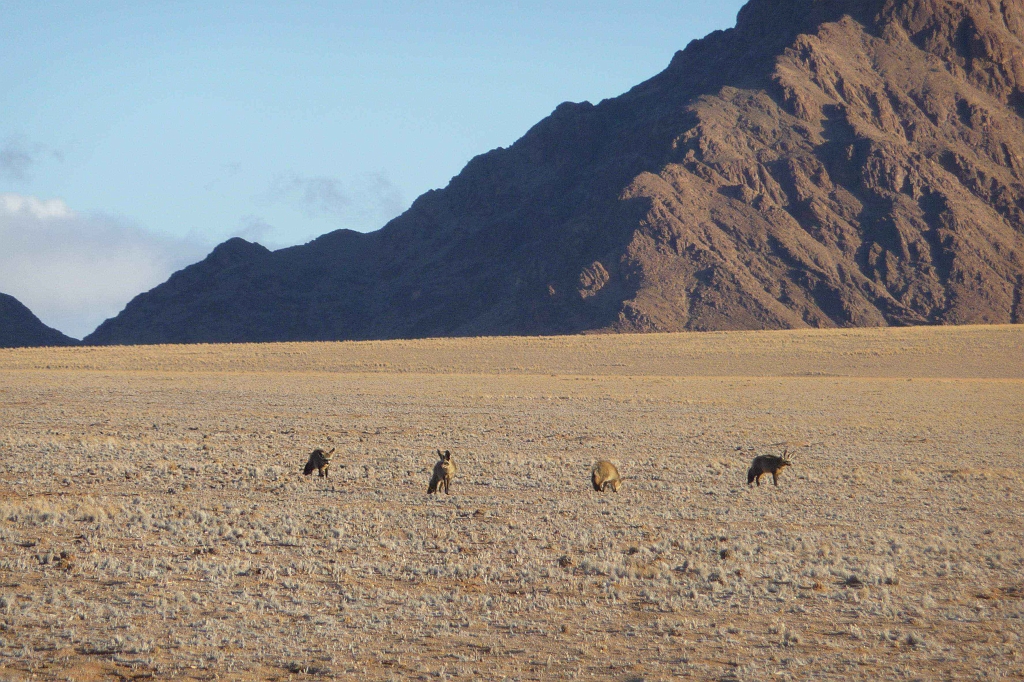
(20, 328)
(823, 163)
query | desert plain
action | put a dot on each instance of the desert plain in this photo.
(154, 522)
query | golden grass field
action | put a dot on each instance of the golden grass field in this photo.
(154, 522)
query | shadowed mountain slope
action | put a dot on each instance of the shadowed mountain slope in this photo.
(824, 163)
(20, 328)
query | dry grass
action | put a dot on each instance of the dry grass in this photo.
(153, 522)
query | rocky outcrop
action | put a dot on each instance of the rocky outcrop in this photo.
(824, 163)
(20, 328)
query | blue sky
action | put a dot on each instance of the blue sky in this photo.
(135, 136)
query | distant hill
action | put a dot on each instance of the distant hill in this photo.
(20, 328)
(824, 163)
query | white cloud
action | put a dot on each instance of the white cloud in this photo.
(13, 204)
(73, 270)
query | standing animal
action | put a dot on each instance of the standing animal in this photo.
(768, 464)
(444, 470)
(605, 474)
(319, 460)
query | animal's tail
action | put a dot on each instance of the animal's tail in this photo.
(309, 467)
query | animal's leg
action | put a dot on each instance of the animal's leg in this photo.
(758, 480)
(775, 478)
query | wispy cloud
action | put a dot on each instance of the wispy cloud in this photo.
(17, 156)
(316, 196)
(384, 195)
(255, 229)
(75, 270)
(227, 172)
(368, 199)
(15, 160)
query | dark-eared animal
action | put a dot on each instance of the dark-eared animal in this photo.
(444, 470)
(604, 475)
(768, 464)
(319, 460)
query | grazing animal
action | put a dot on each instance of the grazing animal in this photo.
(444, 470)
(319, 460)
(605, 474)
(768, 464)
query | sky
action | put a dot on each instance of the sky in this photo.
(134, 137)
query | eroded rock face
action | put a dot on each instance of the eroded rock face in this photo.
(874, 180)
(825, 163)
(592, 279)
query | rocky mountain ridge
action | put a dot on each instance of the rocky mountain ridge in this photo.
(825, 163)
(20, 328)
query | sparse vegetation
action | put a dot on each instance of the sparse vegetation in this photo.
(154, 522)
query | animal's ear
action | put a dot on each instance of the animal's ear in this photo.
(447, 454)
(439, 454)
(332, 451)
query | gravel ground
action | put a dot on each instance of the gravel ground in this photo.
(154, 522)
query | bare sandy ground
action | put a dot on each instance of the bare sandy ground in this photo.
(154, 522)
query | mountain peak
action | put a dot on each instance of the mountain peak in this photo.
(19, 327)
(236, 250)
(825, 163)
